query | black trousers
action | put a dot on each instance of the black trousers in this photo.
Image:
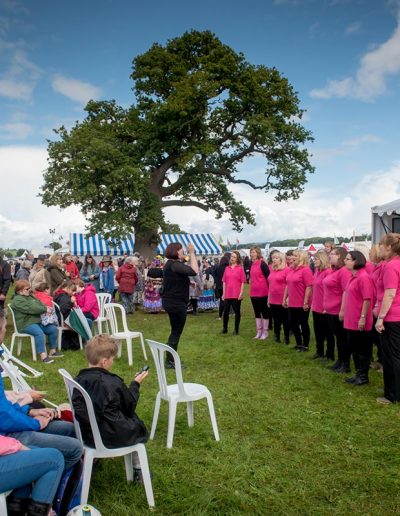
(360, 344)
(390, 340)
(260, 307)
(235, 304)
(177, 314)
(343, 348)
(323, 332)
(298, 319)
(376, 339)
(280, 317)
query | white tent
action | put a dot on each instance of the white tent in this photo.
(385, 219)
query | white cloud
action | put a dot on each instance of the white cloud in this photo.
(16, 131)
(360, 140)
(75, 89)
(15, 90)
(370, 80)
(353, 28)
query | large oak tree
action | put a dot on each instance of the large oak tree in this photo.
(200, 110)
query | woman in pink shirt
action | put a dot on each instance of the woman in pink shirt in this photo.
(322, 330)
(259, 272)
(277, 286)
(357, 315)
(297, 298)
(334, 286)
(377, 261)
(233, 282)
(388, 321)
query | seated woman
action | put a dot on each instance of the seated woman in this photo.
(87, 300)
(27, 311)
(64, 296)
(32, 474)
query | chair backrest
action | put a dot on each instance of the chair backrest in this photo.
(13, 317)
(18, 382)
(158, 351)
(58, 309)
(71, 385)
(102, 299)
(112, 310)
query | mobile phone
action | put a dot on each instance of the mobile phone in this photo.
(144, 368)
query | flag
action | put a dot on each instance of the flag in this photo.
(220, 240)
(78, 322)
(237, 241)
(301, 244)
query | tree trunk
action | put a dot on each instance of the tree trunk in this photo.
(146, 244)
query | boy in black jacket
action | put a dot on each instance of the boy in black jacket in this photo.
(114, 403)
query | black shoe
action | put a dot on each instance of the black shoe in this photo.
(287, 341)
(277, 339)
(336, 365)
(223, 332)
(235, 332)
(303, 349)
(360, 380)
(343, 369)
(316, 356)
(169, 365)
(352, 379)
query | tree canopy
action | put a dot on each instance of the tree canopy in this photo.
(200, 110)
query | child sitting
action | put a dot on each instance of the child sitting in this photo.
(87, 300)
(42, 292)
(114, 403)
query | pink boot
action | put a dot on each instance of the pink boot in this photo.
(264, 333)
(259, 326)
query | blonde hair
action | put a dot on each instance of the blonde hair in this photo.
(374, 255)
(363, 248)
(282, 258)
(54, 259)
(99, 347)
(392, 240)
(323, 258)
(302, 256)
(257, 250)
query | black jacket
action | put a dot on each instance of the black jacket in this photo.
(5, 277)
(114, 406)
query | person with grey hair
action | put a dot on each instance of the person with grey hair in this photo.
(24, 271)
(127, 278)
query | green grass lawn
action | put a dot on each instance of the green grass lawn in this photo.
(295, 439)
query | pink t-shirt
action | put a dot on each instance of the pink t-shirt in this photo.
(318, 290)
(377, 282)
(391, 280)
(277, 285)
(359, 288)
(258, 282)
(334, 285)
(233, 278)
(369, 267)
(297, 281)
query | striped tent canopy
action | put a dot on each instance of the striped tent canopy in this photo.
(96, 245)
(204, 243)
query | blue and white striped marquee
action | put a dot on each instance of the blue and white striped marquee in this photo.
(96, 245)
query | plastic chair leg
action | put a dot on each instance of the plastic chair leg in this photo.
(129, 348)
(19, 345)
(144, 464)
(155, 416)
(119, 349)
(87, 475)
(212, 416)
(190, 413)
(80, 342)
(143, 346)
(12, 343)
(171, 423)
(59, 339)
(128, 467)
(33, 349)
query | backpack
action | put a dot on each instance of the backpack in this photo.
(69, 491)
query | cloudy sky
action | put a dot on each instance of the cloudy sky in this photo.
(342, 56)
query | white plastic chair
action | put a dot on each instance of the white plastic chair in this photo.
(102, 299)
(100, 451)
(18, 382)
(7, 356)
(111, 311)
(19, 336)
(3, 503)
(62, 328)
(177, 393)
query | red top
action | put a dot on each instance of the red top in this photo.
(334, 285)
(359, 288)
(258, 282)
(297, 281)
(72, 269)
(318, 290)
(127, 278)
(233, 278)
(277, 285)
(391, 280)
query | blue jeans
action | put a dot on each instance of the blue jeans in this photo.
(39, 332)
(43, 466)
(57, 434)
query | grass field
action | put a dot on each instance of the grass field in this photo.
(295, 439)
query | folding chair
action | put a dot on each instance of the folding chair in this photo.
(100, 451)
(6, 355)
(177, 393)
